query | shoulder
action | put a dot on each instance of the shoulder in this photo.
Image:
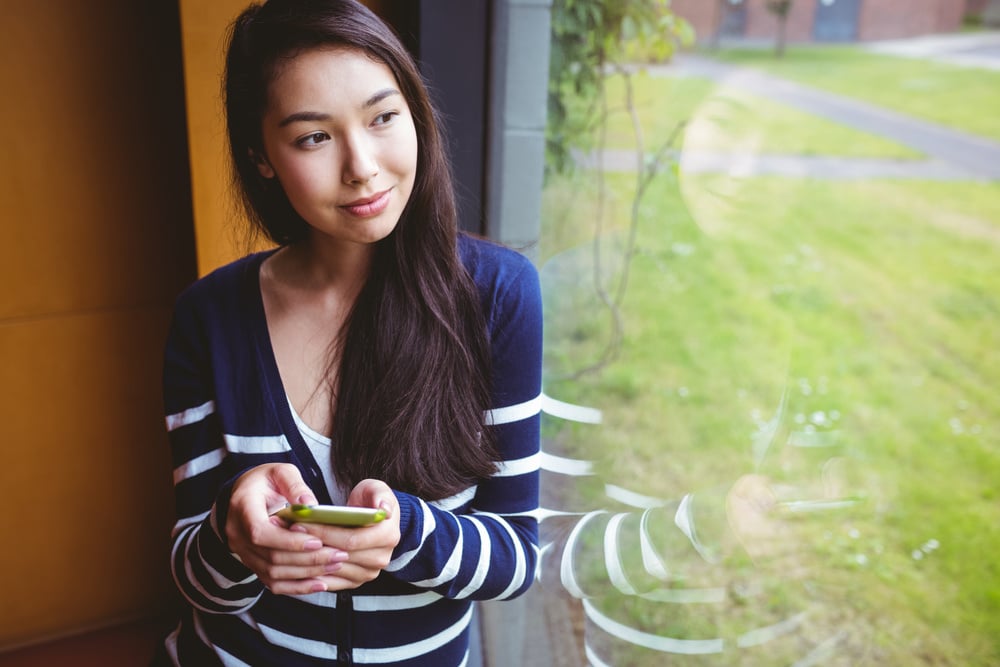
(507, 281)
(494, 266)
(220, 296)
(223, 283)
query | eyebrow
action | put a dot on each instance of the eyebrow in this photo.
(314, 116)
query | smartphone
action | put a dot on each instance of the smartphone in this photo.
(337, 515)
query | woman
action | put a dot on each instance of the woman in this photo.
(376, 358)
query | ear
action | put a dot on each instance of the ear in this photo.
(263, 166)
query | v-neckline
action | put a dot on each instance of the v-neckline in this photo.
(275, 388)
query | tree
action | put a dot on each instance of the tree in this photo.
(781, 9)
(591, 39)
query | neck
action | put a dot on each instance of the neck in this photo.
(319, 265)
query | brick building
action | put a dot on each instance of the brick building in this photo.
(824, 20)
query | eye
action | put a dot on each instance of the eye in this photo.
(312, 140)
(384, 118)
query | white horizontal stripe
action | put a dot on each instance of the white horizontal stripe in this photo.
(651, 560)
(651, 641)
(483, 566)
(416, 649)
(451, 566)
(190, 416)
(403, 560)
(570, 412)
(198, 465)
(170, 643)
(594, 660)
(542, 513)
(542, 553)
(520, 558)
(236, 605)
(684, 519)
(566, 570)
(310, 647)
(513, 413)
(393, 602)
(631, 498)
(452, 502)
(613, 564)
(527, 465)
(223, 581)
(257, 444)
(184, 542)
(225, 658)
(564, 466)
(184, 522)
(770, 632)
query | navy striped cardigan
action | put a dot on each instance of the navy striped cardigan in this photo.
(227, 411)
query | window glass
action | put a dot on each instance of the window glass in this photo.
(772, 317)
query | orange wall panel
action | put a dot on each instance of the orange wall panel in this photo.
(87, 473)
(218, 225)
(94, 190)
(96, 209)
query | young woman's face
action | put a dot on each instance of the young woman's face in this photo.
(339, 138)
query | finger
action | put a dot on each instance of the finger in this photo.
(373, 493)
(290, 567)
(287, 480)
(272, 535)
(296, 587)
(348, 576)
(382, 535)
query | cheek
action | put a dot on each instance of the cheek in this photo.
(299, 179)
(409, 156)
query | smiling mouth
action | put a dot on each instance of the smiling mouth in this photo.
(368, 206)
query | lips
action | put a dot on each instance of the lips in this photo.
(368, 206)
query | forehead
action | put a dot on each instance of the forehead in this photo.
(337, 77)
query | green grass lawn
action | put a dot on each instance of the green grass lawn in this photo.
(963, 98)
(838, 337)
(725, 119)
(865, 313)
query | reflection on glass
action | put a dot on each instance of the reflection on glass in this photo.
(770, 418)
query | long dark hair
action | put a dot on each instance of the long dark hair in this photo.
(414, 376)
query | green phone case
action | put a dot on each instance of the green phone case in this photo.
(331, 514)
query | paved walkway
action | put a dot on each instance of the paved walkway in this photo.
(974, 49)
(951, 154)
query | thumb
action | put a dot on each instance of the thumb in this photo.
(287, 481)
(372, 493)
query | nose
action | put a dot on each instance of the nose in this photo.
(360, 163)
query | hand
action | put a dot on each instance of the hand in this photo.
(749, 506)
(288, 562)
(367, 549)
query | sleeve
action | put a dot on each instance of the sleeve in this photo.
(490, 553)
(206, 573)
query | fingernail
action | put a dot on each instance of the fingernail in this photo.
(298, 528)
(318, 587)
(306, 499)
(330, 568)
(312, 545)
